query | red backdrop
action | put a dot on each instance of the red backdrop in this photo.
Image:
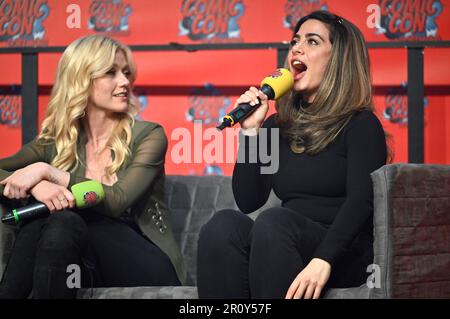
(176, 88)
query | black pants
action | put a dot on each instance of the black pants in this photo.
(239, 258)
(108, 251)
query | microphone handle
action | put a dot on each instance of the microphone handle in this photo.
(243, 110)
(240, 112)
(23, 213)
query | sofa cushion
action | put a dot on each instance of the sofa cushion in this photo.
(192, 201)
(181, 292)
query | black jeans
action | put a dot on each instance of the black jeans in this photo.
(108, 251)
(242, 258)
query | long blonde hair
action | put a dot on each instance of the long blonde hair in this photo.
(344, 90)
(83, 61)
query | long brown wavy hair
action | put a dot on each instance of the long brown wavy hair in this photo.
(83, 61)
(345, 90)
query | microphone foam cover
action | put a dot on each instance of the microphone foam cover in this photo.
(281, 81)
(88, 193)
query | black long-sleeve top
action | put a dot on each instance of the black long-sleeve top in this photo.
(333, 187)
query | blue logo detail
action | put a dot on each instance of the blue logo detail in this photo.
(143, 103)
(212, 170)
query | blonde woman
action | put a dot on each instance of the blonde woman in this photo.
(89, 132)
(330, 141)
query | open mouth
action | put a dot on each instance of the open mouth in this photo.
(299, 69)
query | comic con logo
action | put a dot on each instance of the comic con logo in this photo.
(21, 22)
(208, 105)
(295, 9)
(396, 105)
(411, 19)
(210, 20)
(109, 16)
(10, 110)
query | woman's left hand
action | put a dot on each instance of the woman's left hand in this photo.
(22, 180)
(54, 196)
(310, 281)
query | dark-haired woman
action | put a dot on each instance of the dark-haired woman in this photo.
(330, 141)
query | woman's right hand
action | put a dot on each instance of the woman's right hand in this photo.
(55, 197)
(254, 120)
(22, 180)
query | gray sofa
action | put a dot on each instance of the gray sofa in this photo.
(411, 230)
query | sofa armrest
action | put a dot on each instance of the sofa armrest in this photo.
(411, 231)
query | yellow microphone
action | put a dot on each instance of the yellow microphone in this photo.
(275, 85)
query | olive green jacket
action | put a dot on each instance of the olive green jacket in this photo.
(139, 191)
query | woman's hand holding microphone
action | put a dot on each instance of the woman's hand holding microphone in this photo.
(253, 122)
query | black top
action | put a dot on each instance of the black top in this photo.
(333, 187)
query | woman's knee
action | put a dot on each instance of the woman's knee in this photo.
(274, 222)
(225, 223)
(274, 216)
(67, 220)
(62, 229)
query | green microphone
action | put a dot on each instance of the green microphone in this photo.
(87, 194)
